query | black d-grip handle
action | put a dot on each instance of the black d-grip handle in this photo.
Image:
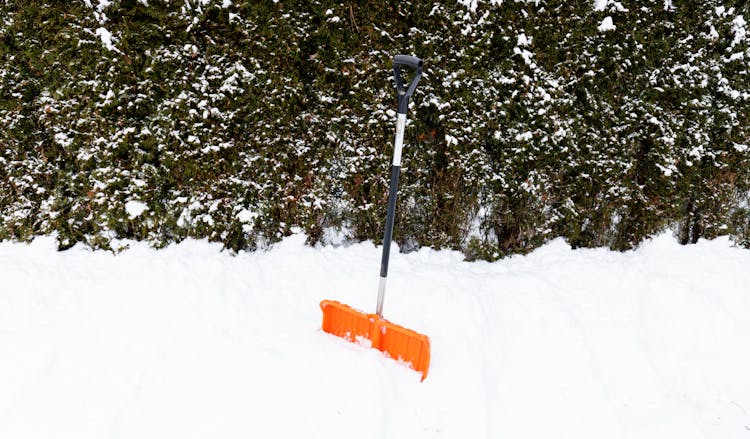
(408, 61)
(405, 93)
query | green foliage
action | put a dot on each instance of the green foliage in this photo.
(243, 121)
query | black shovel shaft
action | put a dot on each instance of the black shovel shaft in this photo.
(404, 93)
(390, 219)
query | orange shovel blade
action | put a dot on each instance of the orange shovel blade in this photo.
(396, 341)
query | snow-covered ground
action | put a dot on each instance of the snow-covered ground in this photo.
(190, 342)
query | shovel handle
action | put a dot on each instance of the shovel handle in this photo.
(409, 61)
(405, 92)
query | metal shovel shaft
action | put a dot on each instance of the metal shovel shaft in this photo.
(404, 93)
(390, 217)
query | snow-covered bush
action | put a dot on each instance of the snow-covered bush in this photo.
(238, 121)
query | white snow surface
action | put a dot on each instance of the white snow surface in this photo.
(135, 208)
(106, 37)
(192, 342)
(606, 24)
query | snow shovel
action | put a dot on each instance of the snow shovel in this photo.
(341, 320)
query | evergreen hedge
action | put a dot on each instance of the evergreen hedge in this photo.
(240, 121)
